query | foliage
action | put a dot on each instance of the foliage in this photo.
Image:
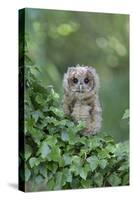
(126, 114)
(57, 155)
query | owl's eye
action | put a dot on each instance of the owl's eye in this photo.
(86, 80)
(75, 80)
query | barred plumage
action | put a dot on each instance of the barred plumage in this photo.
(81, 98)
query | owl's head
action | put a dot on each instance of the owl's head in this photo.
(81, 79)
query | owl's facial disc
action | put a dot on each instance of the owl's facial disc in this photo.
(81, 81)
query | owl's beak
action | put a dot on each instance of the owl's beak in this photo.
(81, 88)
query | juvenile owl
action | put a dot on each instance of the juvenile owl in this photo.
(81, 99)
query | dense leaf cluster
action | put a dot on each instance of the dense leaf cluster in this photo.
(57, 155)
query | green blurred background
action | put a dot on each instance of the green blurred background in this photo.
(59, 39)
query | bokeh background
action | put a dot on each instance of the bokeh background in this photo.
(57, 39)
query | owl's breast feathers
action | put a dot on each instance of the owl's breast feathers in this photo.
(81, 108)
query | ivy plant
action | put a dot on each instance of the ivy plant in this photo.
(56, 155)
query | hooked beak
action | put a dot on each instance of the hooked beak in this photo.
(80, 88)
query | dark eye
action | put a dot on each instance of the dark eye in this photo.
(75, 80)
(86, 80)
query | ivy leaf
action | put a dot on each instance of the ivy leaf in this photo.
(122, 149)
(103, 163)
(81, 125)
(28, 151)
(44, 149)
(36, 135)
(67, 159)
(84, 171)
(51, 140)
(126, 114)
(39, 180)
(114, 179)
(55, 154)
(103, 154)
(39, 99)
(58, 181)
(54, 94)
(110, 148)
(93, 161)
(50, 184)
(76, 160)
(34, 162)
(64, 136)
(56, 111)
(51, 166)
(27, 174)
(67, 176)
(36, 114)
(43, 170)
(98, 179)
(125, 180)
(29, 125)
(72, 139)
(124, 167)
(94, 143)
(86, 183)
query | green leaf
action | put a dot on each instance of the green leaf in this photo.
(122, 150)
(126, 114)
(56, 111)
(27, 174)
(103, 163)
(39, 179)
(51, 140)
(44, 149)
(64, 136)
(76, 160)
(84, 171)
(67, 159)
(81, 125)
(72, 138)
(39, 99)
(37, 135)
(28, 151)
(29, 125)
(98, 179)
(93, 161)
(103, 154)
(125, 180)
(58, 181)
(43, 170)
(67, 176)
(50, 184)
(51, 166)
(108, 139)
(114, 179)
(54, 94)
(55, 154)
(86, 183)
(94, 143)
(36, 115)
(34, 162)
(124, 166)
(110, 148)
(76, 165)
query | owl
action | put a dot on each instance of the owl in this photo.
(81, 98)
